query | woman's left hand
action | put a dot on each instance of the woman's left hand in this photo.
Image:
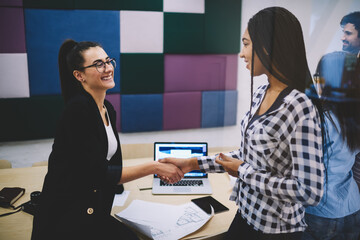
(231, 165)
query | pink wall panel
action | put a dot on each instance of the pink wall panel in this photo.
(12, 30)
(200, 72)
(182, 110)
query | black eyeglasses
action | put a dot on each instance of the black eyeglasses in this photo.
(101, 66)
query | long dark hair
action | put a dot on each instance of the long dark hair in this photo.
(339, 72)
(278, 41)
(71, 58)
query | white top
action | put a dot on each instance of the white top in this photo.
(112, 142)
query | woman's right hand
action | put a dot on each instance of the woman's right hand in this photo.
(168, 172)
(185, 164)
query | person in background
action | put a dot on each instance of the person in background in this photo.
(338, 214)
(351, 37)
(351, 43)
(85, 165)
(279, 167)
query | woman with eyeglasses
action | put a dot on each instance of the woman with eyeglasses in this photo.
(85, 165)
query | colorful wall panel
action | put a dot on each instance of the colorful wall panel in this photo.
(142, 73)
(184, 6)
(182, 110)
(14, 81)
(219, 108)
(47, 29)
(12, 30)
(11, 3)
(200, 72)
(29, 118)
(175, 58)
(141, 112)
(141, 32)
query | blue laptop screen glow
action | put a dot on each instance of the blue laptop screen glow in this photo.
(181, 150)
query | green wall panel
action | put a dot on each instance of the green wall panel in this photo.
(49, 4)
(141, 5)
(222, 26)
(184, 33)
(29, 118)
(141, 73)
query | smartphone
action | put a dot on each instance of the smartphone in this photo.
(205, 202)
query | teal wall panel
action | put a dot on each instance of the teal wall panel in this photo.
(141, 73)
(142, 5)
(222, 26)
(30, 118)
(184, 33)
(49, 4)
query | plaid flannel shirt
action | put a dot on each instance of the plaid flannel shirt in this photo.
(283, 164)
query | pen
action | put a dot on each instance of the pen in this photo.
(149, 188)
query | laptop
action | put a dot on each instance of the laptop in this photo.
(194, 182)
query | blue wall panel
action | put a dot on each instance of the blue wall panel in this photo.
(212, 109)
(230, 107)
(218, 108)
(141, 112)
(47, 29)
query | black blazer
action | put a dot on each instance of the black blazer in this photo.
(79, 187)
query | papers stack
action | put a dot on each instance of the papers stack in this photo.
(163, 221)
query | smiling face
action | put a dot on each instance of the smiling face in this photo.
(350, 39)
(91, 78)
(246, 54)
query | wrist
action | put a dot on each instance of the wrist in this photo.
(194, 165)
(154, 166)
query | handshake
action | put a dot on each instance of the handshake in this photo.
(172, 170)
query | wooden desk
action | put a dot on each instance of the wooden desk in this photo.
(18, 226)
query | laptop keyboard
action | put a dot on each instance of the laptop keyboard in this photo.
(182, 183)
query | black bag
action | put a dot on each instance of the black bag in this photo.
(9, 195)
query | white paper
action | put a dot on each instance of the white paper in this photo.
(120, 199)
(163, 221)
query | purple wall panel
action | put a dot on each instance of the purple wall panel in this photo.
(231, 72)
(12, 30)
(182, 110)
(11, 3)
(114, 99)
(200, 72)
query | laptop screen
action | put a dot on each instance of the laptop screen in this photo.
(181, 150)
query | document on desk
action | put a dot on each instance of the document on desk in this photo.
(163, 221)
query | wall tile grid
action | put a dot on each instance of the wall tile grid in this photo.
(176, 61)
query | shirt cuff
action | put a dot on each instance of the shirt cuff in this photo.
(243, 170)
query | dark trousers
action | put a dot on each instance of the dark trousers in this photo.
(108, 229)
(240, 229)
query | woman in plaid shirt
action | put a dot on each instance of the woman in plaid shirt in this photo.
(279, 166)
